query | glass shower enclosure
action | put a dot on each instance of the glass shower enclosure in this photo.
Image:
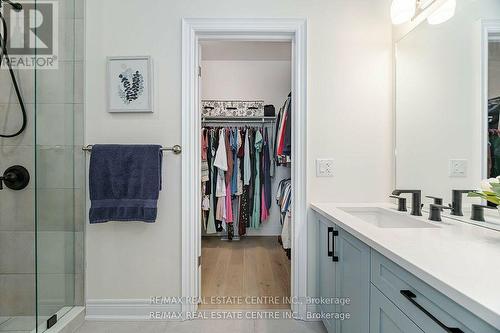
(42, 220)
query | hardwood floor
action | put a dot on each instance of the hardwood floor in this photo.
(253, 273)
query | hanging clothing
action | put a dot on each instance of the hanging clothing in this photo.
(244, 220)
(287, 140)
(247, 167)
(251, 189)
(236, 191)
(283, 134)
(255, 223)
(221, 156)
(266, 168)
(286, 233)
(204, 162)
(234, 148)
(210, 228)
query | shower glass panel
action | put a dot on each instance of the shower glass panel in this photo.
(41, 226)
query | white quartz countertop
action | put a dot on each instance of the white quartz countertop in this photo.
(460, 260)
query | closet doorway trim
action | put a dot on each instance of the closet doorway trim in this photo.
(266, 29)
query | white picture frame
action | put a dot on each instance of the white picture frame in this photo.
(129, 84)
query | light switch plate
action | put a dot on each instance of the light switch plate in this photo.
(458, 168)
(324, 168)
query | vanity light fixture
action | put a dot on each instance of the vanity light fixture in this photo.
(445, 12)
(403, 11)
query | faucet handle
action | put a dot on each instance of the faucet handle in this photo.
(437, 200)
(435, 212)
(401, 203)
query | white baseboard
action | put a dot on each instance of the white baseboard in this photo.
(129, 310)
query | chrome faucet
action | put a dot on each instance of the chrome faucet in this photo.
(416, 202)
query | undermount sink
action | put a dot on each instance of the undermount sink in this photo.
(385, 218)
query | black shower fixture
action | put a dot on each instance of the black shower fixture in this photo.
(16, 178)
(15, 5)
(5, 55)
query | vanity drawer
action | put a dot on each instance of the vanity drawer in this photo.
(415, 298)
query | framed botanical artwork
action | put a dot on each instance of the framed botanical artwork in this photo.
(129, 84)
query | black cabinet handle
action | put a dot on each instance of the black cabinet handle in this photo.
(330, 252)
(412, 298)
(335, 233)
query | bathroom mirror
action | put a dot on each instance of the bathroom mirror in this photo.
(447, 97)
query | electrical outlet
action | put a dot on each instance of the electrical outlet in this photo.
(324, 168)
(458, 168)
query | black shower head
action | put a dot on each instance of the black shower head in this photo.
(15, 5)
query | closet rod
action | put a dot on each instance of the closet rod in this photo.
(238, 120)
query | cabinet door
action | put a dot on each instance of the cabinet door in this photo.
(326, 279)
(385, 317)
(353, 282)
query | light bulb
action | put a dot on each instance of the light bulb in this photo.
(402, 11)
(422, 4)
(445, 12)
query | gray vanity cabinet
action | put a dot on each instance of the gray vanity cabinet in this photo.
(353, 282)
(385, 317)
(384, 297)
(347, 278)
(326, 276)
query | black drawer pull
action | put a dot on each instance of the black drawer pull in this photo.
(335, 233)
(330, 252)
(412, 298)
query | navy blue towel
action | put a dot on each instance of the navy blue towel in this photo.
(125, 181)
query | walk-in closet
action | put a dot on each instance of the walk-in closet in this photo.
(246, 187)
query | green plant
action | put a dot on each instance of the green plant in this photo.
(490, 191)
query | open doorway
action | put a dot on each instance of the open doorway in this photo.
(196, 30)
(246, 188)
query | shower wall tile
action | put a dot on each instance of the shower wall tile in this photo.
(67, 40)
(10, 122)
(17, 211)
(56, 210)
(26, 82)
(55, 252)
(55, 292)
(79, 125)
(79, 252)
(18, 294)
(20, 249)
(79, 39)
(79, 290)
(55, 167)
(79, 161)
(55, 86)
(66, 9)
(79, 8)
(55, 124)
(80, 209)
(79, 75)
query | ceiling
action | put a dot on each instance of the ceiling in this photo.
(246, 50)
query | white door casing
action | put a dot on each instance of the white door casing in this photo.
(194, 30)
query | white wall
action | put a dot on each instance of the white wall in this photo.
(252, 80)
(349, 119)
